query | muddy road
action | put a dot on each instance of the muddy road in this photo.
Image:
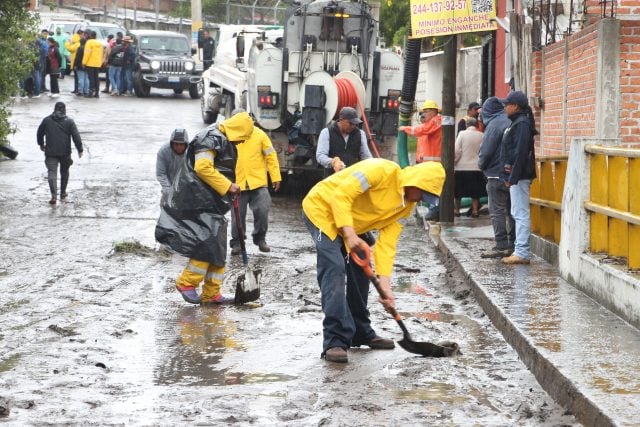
(94, 333)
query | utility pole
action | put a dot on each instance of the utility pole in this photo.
(196, 20)
(157, 13)
(448, 126)
(135, 14)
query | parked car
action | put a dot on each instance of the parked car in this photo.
(67, 26)
(102, 29)
(164, 59)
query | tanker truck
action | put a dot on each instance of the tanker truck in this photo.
(295, 79)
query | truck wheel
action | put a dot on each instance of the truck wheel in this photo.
(177, 91)
(142, 90)
(194, 92)
(207, 115)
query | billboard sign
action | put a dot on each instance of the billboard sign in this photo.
(440, 17)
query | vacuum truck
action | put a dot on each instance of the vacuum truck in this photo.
(295, 79)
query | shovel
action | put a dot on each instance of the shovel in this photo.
(247, 284)
(425, 349)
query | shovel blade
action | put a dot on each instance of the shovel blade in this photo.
(428, 349)
(248, 286)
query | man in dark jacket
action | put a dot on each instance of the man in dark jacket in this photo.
(208, 50)
(517, 157)
(54, 138)
(496, 121)
(342, 143)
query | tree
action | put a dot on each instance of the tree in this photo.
(17, 35)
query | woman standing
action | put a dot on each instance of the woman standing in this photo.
(54, 60)
(469, 180)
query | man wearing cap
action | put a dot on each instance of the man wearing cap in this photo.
(517, 157)
(374, 194)
(54, 138)
(128, 64)
(473, 111)
(168, 161)
(342, 143)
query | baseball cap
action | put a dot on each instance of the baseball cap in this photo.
(348, 113)
(474, 106)
(516, 97)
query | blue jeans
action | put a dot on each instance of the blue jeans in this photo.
(126, 80)
(114, 77)
(520, 212)
(83, 82)
(37, 82)
(344, 289)
(500, 211)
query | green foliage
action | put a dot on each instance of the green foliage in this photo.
(182, 9)
(394, 20)
(17, 33)
(216, 9)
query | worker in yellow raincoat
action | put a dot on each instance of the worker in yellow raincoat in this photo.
(373, 194)
(192, 220)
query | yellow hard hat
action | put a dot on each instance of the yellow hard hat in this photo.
(430, 104)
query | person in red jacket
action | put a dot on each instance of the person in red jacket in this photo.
(429, 133)
(429, 144)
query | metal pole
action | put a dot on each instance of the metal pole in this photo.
(448, 126)
(228, 12)
(135, 14)
(115, 8)
(253, 12)
(275, 12)
(196, 22)
(157, 13)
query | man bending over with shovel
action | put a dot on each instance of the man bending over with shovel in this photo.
(373, 194)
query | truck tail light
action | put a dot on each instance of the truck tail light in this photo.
(390, 103)
(268, 100)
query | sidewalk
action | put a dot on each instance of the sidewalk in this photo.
(584, 356)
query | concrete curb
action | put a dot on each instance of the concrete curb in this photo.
(560, 387)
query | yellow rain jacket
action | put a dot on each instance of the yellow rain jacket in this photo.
(72, 46)
(256, 158)
(237, 128)
(369, 195)
(92, 54)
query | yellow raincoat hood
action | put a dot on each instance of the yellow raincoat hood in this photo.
(237, 128)
(427, 176)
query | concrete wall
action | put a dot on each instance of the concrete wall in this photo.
(614, 289)
(468, 84)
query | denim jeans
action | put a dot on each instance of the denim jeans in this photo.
(83, 82)
(344, 289)
(126, 80)
(520, 212)
(500, 211)
(114, 77)
(37, 82)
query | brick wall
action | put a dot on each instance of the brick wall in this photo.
(622, 9)
(567, 72)
(630, 82)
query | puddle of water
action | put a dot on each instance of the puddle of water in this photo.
(441, 392)
(10, 362)
(406, 284)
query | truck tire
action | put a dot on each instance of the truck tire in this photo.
(194, 91)
(142, 90)
(8, 151)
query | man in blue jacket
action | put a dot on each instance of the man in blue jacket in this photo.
(517, 157)
(496, 121)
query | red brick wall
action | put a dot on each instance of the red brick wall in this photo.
(622, 9)
(630, 82)
(577, 57)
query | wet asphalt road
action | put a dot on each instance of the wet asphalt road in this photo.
(91, 335)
